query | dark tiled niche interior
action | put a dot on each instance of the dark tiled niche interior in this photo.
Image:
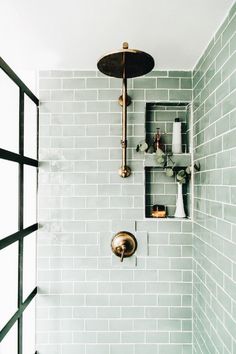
(159, 188)
(162, 115)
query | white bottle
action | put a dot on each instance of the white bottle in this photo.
(179, 211)
(176, 137)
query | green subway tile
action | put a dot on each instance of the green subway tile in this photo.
(136, 94)
(233, 81)
(146, 348)
(167, 83)
(62, 95)
(158, 337)
(95, 106)
(233, 157)
(229, 30)
(215, 113)
(157, 73)
(73, 83)
(180, 74)
(229, 140)
(157, 95)
(139, 107)
(230, 213)
(108, 94)
(85, 95)
(84, 73)
(211, 71)
(97, 83)
(184, 312)
(73, 107)
(222, 57)
(223, 159)
(228, 67)
(117, 83)
(210, 102)
(145, 83)
(61, 73)
(229, 176)
(232, 44)
(181, 95)
(223, 193)
(216, 145)
(181, 337)
(169, 300)
(168, 324)
(186, 83)
(49, 107)
(222, 91)
(233, 195)
(49, 84)
(169, 251)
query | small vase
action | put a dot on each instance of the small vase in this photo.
(179, 211)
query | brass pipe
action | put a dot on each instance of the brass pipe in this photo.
(124, 171)
(124, 122)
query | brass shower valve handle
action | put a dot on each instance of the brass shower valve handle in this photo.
(121, 250)
(123, 244)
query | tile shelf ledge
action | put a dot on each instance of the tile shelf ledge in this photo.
(168, 218)
(181, 160)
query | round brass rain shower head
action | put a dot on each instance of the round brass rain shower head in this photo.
(128, 62)
(125, 64)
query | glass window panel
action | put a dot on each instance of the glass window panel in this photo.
(8, 197)
(9, 113)
(9, 283)
(30, 193)
(29, 265)
(29, 329)
(9, 342)
(30, 128)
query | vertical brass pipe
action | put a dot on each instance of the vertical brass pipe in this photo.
(124, 122)
(124, 171)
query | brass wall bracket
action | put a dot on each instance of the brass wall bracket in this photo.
(128, 102)
(124, 244)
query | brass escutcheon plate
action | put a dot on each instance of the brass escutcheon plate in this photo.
(121, 240)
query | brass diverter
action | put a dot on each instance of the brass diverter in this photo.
(123, 244)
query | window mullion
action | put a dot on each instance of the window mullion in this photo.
(21, 219)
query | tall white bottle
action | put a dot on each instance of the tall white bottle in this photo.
(176, 137)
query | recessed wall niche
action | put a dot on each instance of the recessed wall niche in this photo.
(159, 188)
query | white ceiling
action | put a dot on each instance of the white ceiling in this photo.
(73, 34)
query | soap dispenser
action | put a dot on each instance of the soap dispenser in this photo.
(176, 137)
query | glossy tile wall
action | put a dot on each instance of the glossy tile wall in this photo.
(89, 302)
(214, 232)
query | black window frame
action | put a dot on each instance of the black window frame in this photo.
(22, 232)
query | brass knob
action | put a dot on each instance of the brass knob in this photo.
(123, 244)
(125, 45)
